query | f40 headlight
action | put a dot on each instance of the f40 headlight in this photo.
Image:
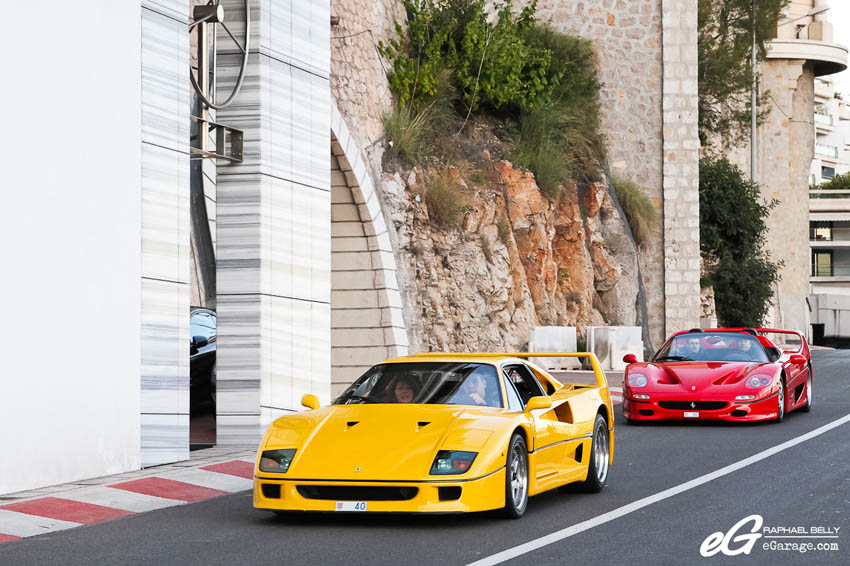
(449, 462)
(276, 461)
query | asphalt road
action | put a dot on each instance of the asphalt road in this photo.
(805, 485)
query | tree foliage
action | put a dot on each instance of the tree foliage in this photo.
(725, 63)
(732, 232)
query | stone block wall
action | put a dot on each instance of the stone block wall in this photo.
(647, 62)
(648, 70)
(681, 166)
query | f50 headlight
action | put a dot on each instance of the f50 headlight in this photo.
(637, 380)
(758, 381)
(276, 461)
(449, 462)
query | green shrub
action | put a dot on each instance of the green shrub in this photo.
(443, 199)
(732, 232)
(731, 210)
(837, 183)
(742, 289)
(507, 65)
(638, 208)
(451, 55)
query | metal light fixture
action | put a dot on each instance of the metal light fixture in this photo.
(229, 141)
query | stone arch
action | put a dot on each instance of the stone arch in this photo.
(367, 325)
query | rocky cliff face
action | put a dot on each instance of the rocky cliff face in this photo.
(516, 260)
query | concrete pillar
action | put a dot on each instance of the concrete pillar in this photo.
(786, 146)
(273, 241)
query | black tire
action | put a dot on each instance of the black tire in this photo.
(780, 402)
(597, 470)
(516, 478)
(808, 406)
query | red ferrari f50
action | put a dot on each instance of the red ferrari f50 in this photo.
(729, 374)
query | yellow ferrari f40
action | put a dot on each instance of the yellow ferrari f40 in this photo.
(440, 433)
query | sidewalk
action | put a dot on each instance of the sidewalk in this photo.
(208, 473)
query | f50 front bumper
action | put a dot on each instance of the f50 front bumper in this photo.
(438, 496)
(652, 410)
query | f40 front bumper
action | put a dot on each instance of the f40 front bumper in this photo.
(433, 496)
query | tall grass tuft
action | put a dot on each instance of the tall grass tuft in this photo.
(637, 207)
(556, 143)
(442, 197)
(409, 130)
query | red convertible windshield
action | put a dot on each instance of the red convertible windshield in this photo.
(433, 383)
(712, 347)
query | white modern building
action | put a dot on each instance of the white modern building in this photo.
(95, 234)
(832, 133)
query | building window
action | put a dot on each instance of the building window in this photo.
(827, 173)
(821, 231)
(822, 263)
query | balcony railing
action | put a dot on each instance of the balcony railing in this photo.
(825, 119)
(831, 271)
(826, 150)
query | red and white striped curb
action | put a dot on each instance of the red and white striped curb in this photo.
(616, 395)
(98, 503)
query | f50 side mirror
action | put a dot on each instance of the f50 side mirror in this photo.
(310, 401)
(630, 358)
(540, 402)
(797, 359)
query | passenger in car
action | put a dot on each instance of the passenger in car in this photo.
(474, 391)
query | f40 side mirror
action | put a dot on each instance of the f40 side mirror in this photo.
(310, 401)
(540, 402)
(630, 358)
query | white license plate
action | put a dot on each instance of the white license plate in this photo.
(690, 415)
(350, 506)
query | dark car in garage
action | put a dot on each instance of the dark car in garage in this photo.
(202, 348)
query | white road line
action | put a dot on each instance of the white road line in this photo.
(119, 499)
(26, 525)
(532, 545)
(213, 480)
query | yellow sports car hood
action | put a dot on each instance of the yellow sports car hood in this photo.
(378, 442)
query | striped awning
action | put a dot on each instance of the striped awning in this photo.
(829, 216)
